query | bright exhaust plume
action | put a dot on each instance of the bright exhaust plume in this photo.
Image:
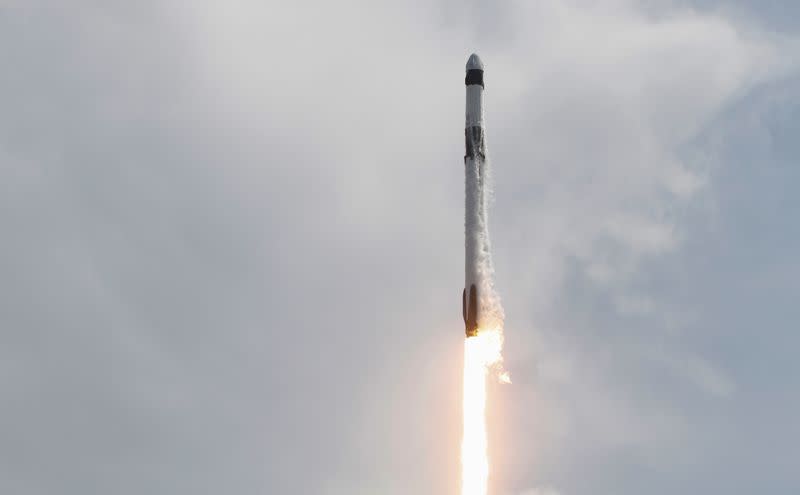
(482, 354)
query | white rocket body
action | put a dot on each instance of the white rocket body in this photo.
(477, 281)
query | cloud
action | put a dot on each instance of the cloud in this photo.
(540, 491)
(709, 378)
(232, 236)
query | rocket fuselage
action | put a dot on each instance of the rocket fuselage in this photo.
(475, 200)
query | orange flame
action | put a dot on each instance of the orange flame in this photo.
(481, 353)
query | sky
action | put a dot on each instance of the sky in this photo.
(232, 246)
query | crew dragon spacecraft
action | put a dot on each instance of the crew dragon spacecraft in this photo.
(475, 239)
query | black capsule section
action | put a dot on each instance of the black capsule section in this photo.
(474, 76)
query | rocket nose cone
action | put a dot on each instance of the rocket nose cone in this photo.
(474, 62)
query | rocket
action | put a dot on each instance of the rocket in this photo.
(475, 200)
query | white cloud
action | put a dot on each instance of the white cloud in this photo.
(265, 203)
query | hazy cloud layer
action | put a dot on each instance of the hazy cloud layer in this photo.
(232, 252)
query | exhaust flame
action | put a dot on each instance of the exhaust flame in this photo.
(481, 353)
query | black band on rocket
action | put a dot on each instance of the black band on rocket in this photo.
(474, 76)
(474, 142)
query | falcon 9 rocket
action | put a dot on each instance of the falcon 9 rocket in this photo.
(475, 242)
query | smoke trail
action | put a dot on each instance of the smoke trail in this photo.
(478, 260)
